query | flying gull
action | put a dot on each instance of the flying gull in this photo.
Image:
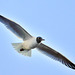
(30, 42)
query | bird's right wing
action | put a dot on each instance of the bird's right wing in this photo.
(15, 28)
(55, 55)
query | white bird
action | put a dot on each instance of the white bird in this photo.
(30, 42)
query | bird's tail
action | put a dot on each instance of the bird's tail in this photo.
(18, 47)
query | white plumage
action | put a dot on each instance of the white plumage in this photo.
(27, 45)
(30, 42)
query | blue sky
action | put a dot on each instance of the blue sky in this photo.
(54, 20)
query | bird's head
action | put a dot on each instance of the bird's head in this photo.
(39, 39)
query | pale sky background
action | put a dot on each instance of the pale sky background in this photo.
(54, 20)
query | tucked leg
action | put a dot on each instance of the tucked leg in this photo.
(22, 49)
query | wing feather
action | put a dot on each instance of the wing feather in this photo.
(55, 55)
(15, 28)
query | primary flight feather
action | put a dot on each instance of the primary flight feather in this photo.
(30, 42)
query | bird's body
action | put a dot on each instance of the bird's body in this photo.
(26, 46)
(30, 42)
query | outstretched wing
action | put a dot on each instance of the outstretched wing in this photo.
(55, 55)
(15, 28)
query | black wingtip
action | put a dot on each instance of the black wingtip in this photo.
(1, 16)
(73, 66)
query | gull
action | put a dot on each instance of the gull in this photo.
(30, 42)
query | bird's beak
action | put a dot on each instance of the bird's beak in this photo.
(43, 39)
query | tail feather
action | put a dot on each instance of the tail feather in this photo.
(19, 46)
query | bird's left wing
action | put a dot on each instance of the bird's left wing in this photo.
(15, 28)
(55, 55)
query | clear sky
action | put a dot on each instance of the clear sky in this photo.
(54, 20)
